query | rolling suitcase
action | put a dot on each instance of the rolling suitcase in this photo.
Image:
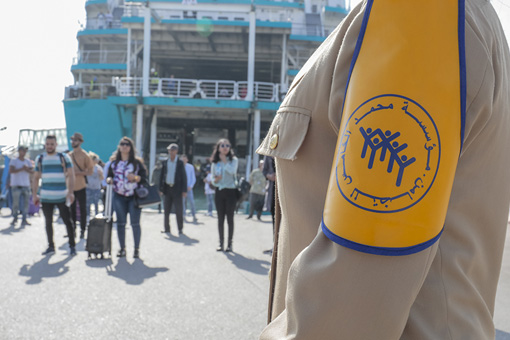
(99, 237)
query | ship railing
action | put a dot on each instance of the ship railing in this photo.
(298, 55)
(90, 91)
(103, 23)
(266, 92)
(176, 88)
(316, 30)
(198, 88)
(133, 9)
(265, 14)
(103, 56)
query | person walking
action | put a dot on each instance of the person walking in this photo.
(209, 189)
(257, 191)
(57, 189)
(20, 169)
(83, 167)
(174, 185)
(156, 177)
(94, 185)
(224, 170)
(126, 171)
(191, 177)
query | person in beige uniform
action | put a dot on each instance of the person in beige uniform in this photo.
(323, 290)
(83, 166)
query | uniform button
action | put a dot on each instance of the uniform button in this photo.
(273, 143)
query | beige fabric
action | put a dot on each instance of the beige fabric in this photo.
(86, 164)
(326, 291)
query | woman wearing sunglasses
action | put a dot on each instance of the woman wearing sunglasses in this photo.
(126, 171)
(224, 170)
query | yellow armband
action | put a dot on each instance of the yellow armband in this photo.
(401, 130)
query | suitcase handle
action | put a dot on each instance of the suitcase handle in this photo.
(109, 202)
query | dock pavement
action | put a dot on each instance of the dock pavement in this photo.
(180, 288)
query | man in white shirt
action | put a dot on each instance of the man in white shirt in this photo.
(20, 169)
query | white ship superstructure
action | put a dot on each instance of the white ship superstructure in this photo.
(190, 72)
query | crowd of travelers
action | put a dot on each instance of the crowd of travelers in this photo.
(74, 183)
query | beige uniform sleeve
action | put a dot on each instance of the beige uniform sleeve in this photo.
(326, 291)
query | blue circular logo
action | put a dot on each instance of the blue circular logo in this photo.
(388, 154)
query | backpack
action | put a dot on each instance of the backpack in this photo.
(62, 161)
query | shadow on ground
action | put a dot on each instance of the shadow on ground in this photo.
(133, 273)
(501, 335)
(100, 263)
(252, 265)
(43, 269)
(12, 229)
(184, 239)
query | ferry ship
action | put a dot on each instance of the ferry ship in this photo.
(190, 71)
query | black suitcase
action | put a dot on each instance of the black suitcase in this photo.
(99, 236)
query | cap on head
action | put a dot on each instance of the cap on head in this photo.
(22, 147)
(173, 146)
(77, 136)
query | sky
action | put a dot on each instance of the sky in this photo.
(38, 46)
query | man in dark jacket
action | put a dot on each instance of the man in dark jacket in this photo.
(173, 184)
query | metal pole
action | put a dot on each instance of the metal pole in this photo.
(251, 55)
(128, 59)
(249, 145)
(283, 74)
(256, 138)
(152, 158)
(146, 51)
(139, 127)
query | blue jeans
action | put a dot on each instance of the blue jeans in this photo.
(188, 199)
(93, 196)
(17, 193)
(210, 203)
(123, 205)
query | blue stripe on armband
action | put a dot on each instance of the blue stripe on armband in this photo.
(378, 250)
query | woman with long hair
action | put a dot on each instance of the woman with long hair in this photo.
(126, 172)
(224, 171)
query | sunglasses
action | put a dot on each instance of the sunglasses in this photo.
(225, 145)
(125, 144)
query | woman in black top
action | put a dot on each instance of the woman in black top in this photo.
(224, 171)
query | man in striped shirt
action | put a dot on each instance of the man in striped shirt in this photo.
(57, 174)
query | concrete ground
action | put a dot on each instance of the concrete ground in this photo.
(181, 288)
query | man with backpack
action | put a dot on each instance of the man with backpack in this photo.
(57, 189)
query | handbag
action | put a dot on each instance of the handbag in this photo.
(242, 188)
(239, 194)
(146, 196)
